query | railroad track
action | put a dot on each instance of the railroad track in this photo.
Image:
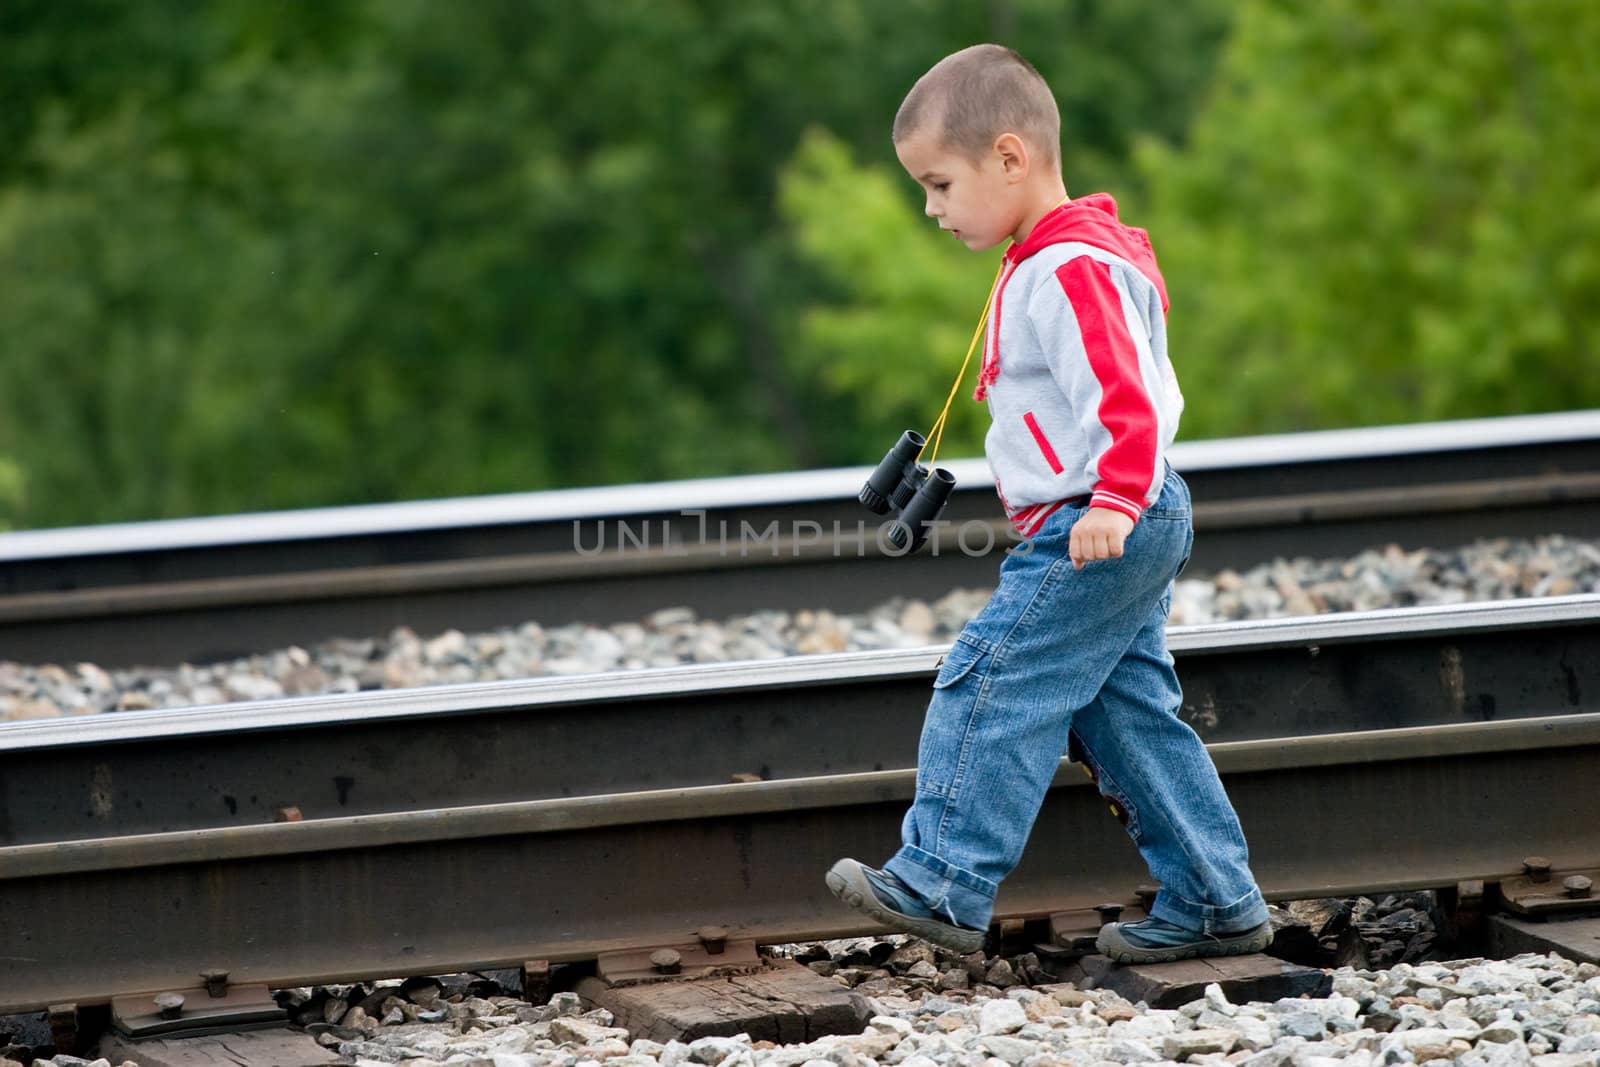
(562, 818)
(200, 590)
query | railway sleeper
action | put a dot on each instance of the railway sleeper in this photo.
(715, 985)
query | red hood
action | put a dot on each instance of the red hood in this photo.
(1092, 220)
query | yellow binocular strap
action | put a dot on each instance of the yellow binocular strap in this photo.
(936, 433)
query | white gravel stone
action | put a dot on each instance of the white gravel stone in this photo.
(1217, 1001)
(584, 1032)
(1198, 1042)
(1566, 1059)
(1001, 1017)
(1132, 1050)
(1276, 1056)
(1152, 1024)
(1012, 1050)
(1253, 1034)
(1501, 1030)
(714, 1050)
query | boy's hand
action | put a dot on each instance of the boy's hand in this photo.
(1098, 535)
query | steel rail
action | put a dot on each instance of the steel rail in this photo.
(458, 746)
(1245, 454)
(782, 550)
(568, 878)
(205, 589)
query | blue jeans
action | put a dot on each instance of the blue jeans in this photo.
(1061, 657)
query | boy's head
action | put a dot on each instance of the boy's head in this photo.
(982, 134)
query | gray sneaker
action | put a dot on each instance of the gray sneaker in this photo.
(886, 899)
(1154, 941)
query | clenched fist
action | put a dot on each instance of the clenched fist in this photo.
(1098, 535)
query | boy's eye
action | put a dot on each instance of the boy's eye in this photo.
(940, 187)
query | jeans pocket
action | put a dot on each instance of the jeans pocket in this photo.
(1188, 550)
(959, 662)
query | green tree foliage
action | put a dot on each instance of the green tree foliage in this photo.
(1387, 213)
(259, 255)
(11, 491)
(1381, 213)
(909, 300)
(426, 265)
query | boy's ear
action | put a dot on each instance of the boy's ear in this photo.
(1013, 153)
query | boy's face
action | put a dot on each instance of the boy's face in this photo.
(977, 202)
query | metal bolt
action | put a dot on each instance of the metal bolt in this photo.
(1577, 885)
(1537, 868)
(170, 1005)
(216, 980)
(1108, 912)
(714, 938)
(666, 961)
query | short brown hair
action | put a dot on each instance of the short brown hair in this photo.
(972, 96)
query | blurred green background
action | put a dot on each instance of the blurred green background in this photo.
(281, 253)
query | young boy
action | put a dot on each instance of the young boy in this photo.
(1071, 649)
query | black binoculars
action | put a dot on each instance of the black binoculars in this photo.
(915, 494)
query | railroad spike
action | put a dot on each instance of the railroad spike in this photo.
(216, 980)
(714, 938)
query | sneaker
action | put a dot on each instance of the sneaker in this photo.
(1154, 941)
(886, 899)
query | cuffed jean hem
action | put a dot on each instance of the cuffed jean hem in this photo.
(1246, 913)
(951, 892)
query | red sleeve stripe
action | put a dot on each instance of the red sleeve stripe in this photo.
(1133, 511)
(1036, 523)
(1106, 496)
(1128, 465)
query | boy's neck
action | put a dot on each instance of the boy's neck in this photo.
(1051, 194)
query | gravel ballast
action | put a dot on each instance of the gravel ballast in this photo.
(1381, 578)
(1528, 1011)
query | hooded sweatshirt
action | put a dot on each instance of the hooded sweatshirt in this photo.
(1075, 372)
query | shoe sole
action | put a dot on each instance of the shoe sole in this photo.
(847, 882)
(1112, 943)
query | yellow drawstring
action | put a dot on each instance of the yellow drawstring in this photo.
(936, 434)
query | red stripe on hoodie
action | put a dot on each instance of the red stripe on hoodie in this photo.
(1127, 467)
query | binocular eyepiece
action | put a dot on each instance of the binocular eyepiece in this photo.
(915, 494)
